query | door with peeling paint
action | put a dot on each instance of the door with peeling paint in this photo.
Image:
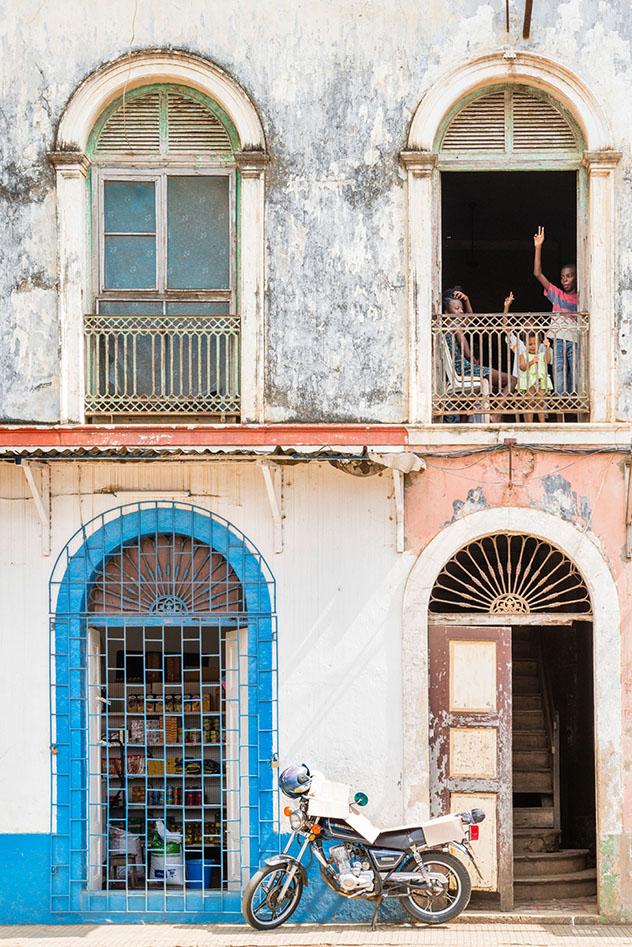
(470, 740)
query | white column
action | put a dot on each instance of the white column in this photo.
(72, 227)
(421, 267)
(600, 282)
(251, 165)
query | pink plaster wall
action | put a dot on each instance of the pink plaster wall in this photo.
(587, 490)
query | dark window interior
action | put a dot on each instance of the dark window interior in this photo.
(488, 222)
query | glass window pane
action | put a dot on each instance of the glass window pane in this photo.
(129, 308)
(198, 309)
(198, 232)
(130, 262)
(129, 207)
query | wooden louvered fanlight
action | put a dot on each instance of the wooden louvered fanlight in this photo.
(162, 121)
(510, 121)
(510, 574)
(165, 574)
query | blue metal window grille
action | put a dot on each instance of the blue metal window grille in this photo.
(163, 714)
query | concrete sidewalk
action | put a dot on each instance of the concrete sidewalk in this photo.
(512, 934)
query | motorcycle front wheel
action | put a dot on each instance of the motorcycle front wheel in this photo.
(262, 905)
(448, 899)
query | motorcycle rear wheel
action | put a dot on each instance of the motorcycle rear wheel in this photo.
(439, 908)
(260, 904)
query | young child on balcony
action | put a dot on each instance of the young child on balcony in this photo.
(562, 332)
(533, 377)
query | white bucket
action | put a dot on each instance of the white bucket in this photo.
(167, 868)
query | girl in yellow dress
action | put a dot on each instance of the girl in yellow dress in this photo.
(533, 377)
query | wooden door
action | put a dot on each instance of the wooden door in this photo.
(470, 741)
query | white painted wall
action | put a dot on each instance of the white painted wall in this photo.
(339, 584)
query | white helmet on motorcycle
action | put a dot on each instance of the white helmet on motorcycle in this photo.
(295, 780)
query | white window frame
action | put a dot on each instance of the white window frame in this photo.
(73, 225)
(159, 175)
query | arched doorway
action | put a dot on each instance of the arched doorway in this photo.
(584, 555)
(510, 659)
(163, 674)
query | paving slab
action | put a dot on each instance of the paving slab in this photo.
(474, 933)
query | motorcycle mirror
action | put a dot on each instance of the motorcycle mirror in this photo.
(360, 799)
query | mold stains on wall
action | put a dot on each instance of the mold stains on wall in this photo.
(559, 498)
(475, 500)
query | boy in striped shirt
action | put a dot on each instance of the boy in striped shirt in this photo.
(563, 328)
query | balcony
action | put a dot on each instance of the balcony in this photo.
(141, 366)
(488, 385)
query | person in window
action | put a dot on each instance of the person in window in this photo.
(466, 363)
(533, 363)
(563, 329)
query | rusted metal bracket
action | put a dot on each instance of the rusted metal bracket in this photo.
(38, 479)
(526, 23)
(398, 492)
(510, 443)
(273, 479)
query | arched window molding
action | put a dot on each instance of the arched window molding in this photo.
(71, 163)
(595, 251)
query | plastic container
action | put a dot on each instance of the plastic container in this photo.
(167, 868)
(198, 871)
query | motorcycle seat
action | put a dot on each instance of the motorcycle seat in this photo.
(401, 838)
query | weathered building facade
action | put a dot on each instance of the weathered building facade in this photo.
(257, 499)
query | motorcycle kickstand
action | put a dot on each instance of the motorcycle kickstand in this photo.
(376, 912)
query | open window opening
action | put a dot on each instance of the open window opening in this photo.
(507, 344)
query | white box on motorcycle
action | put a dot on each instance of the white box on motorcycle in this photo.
(327, 798)
(447, 828)
(331, 800)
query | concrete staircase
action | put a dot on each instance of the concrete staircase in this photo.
(542, 871)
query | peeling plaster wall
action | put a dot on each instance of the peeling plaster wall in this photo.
(588, 492)
(338, 609)
(336, 86)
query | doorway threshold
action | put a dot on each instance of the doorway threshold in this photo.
(573, 912)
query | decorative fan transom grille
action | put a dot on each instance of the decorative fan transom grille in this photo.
(165, 574)
(509, 574)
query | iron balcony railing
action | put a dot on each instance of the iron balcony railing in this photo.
(481, 366)
(167, 365)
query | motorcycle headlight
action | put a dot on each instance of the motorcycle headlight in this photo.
(296, 820)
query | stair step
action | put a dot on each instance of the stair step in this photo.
(529, 739)
(526, 702)
(545, 864)
(537, 780)
(525, 685)
(579, 884)
(528, 720)
(541, 817)
(525, 760)
(531, 840)
(524, 666)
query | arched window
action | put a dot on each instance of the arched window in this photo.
(164, 334)
(161, 296)
(533, 148)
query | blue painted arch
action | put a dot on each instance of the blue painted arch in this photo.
(72, 575)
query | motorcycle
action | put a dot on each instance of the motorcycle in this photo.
(413, 863)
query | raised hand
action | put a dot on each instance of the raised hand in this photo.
(508, 301)
(538, 238)
(458, 294)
